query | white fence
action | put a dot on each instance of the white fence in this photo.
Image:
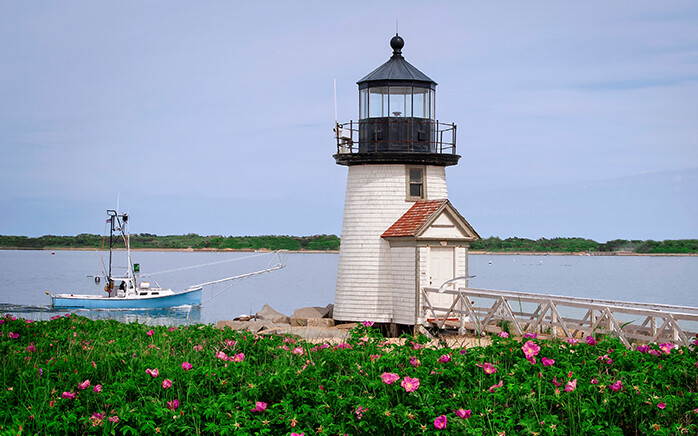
(482, 310)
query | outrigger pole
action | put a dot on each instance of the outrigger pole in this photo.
(281, 263)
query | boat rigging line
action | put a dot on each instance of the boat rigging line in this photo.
(207, 264)
(271, 266)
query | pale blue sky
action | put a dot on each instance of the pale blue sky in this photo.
(215, 117)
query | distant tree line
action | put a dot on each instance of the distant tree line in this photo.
(191, 240)
(331, 242)
(577, 245)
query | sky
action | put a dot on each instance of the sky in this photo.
(575, 119)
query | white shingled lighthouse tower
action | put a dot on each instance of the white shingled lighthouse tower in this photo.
(400, 233)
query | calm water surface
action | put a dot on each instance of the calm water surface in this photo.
(309, 280)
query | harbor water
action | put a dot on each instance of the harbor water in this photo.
(309, 280)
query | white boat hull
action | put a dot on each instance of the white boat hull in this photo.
(191, 297)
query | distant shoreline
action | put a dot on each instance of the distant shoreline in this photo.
(473, 252)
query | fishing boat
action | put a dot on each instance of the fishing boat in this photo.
(127, 291)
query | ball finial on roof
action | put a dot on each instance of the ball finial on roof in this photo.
(396, 43)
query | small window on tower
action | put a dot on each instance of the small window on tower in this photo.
(415, 183)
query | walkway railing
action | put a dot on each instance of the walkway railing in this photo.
(483, 310)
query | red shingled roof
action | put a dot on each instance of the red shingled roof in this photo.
(414, 219)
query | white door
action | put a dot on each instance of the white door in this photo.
(441, 268)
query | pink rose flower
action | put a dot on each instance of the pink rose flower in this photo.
(389, 378)
(260, 407)
(96, 419)
(444, 358)
(530, 349)
(173, 405)
(97, 389)
(166, 383)
(150, 333)
(152, 372)
(489, 368)
(410, 384)
(661, 405)
(368, 323)
(571, 385)
(114, 419)
(440, 422)
(239, 357)
(591, 341)
(498, 385)
(463, 414)
(504, 334)
(616, 386)
(221, 355)
(68, 395)
(84, 385)
(666, 348)
(186, 366)
(547, 362)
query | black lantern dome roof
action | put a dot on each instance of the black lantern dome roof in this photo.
(396, 71)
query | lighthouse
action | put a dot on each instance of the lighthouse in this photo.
(400, 233)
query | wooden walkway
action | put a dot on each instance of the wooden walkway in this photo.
(482, 310)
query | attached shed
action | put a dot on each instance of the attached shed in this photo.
(428, 246)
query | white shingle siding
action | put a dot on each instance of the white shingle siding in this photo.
(370, 282)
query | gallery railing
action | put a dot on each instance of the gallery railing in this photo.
(394, 134)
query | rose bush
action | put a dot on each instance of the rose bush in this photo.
(178, 380)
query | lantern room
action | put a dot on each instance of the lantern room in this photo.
(397, 119)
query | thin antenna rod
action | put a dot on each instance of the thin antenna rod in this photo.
(396, 26)
(335, 101)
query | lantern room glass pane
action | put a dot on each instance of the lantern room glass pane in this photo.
(399, 96)
(363, 104)
(378, 102)
(420, 103)
(432, 104)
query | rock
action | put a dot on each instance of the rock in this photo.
(312, 322)
(330, 310)
(311, 312)
(311, 333)
(269, 314)
(251, 326)
(321, 322)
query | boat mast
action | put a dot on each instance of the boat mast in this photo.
(127, 239)
(112, 215)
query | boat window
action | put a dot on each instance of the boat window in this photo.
(154, 293)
